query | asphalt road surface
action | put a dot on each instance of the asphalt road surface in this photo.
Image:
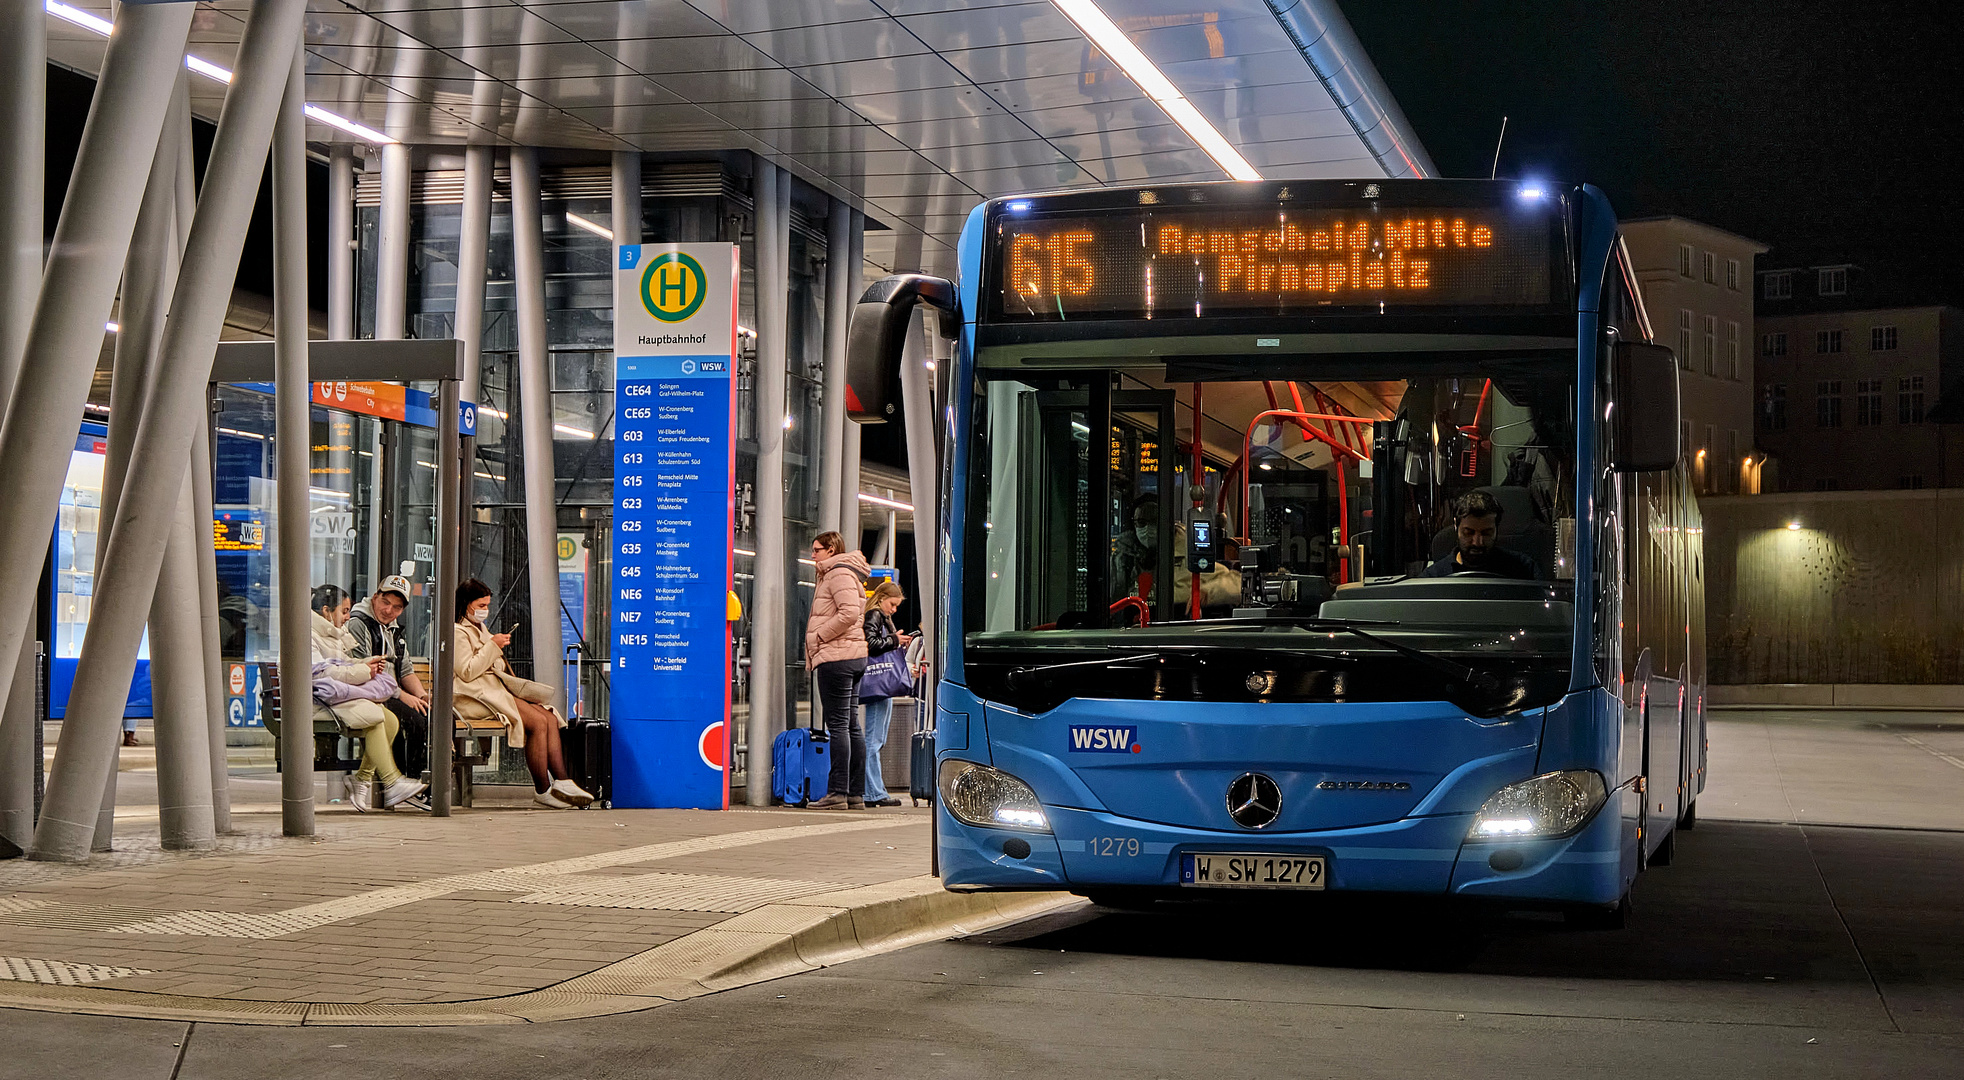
(1766, 950)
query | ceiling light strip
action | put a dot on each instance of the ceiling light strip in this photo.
(1110, 40)
(99, 25)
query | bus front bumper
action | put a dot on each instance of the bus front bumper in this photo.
(1089, 851)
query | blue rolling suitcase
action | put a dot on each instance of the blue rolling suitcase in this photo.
(801, 766)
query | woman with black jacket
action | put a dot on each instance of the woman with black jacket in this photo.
(881, 637)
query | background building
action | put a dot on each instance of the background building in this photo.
(1697, 284)
(1847, 384)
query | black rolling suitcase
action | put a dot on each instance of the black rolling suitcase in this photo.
(920, 774)
(589, 749)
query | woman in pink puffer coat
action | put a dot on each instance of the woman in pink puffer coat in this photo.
(835, 654)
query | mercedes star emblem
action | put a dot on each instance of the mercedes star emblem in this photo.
(1254, 801)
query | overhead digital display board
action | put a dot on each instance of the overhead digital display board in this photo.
(673, 538)
(1198, 261)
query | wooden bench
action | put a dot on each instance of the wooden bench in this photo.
(474, 743)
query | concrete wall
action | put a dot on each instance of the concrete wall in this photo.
(1869, 589)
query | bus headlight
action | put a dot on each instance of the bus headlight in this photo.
(979, 795)
(1552, 804)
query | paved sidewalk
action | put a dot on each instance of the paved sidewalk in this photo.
(490, 916)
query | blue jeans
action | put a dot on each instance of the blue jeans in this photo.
(879, 712)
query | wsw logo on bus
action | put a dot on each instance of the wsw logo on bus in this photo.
(1104, 739)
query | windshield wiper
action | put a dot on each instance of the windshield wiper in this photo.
(1458, 672)
(1019, 674)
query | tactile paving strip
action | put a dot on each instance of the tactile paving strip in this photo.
(77, 916)
(60, 972)
(676, 892)
(537, 879)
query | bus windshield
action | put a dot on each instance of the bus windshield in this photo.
(1300, 541)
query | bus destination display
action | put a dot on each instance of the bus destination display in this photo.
(1150, 264)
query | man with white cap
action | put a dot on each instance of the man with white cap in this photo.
(374, 627)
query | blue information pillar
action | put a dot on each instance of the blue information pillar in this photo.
(674, 474)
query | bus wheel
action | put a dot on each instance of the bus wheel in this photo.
(1596, 917)
(1690, 818)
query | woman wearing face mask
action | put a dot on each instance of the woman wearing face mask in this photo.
(486, 690)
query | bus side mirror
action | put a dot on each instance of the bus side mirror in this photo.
(879, 328)
(1644, 409)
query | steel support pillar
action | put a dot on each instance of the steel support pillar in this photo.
(770, 189)
(850, 448)
(177, 665)
(341, 242)
(473, 253)
(293, 429)
(535, 423)
(392, 241)
(201, 495)
(64, 335)
(23, 111)
(451, 468)
(177, 661)
(626, 221)
(208, 632)
(917, 394)
(127, 573)
(838, 313)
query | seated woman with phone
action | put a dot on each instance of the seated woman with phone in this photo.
(487, 690)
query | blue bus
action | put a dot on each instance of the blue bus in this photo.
(1225, 469)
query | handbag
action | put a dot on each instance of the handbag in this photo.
(886, 676)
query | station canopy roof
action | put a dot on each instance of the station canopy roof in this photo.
(913, 110)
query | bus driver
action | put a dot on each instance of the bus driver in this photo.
(1476, 518)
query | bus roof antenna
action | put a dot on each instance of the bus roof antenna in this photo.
(1495, 171)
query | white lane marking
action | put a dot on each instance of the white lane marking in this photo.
(1931, 750)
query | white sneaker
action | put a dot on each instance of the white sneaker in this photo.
(361, 794)
(572, 793)
(551, 801)
(401, 788)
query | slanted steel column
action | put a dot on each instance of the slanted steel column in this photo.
(473, 251)
(627, 196)
(64, 334)
(177, 661)
(293, 428)
(535, 423)
(850, 449)
(127, 574)
(201, 495)
(341, 242)
(23, 109)
(770, 190)
(838, 313)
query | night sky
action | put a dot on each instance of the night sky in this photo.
(1829, 131)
